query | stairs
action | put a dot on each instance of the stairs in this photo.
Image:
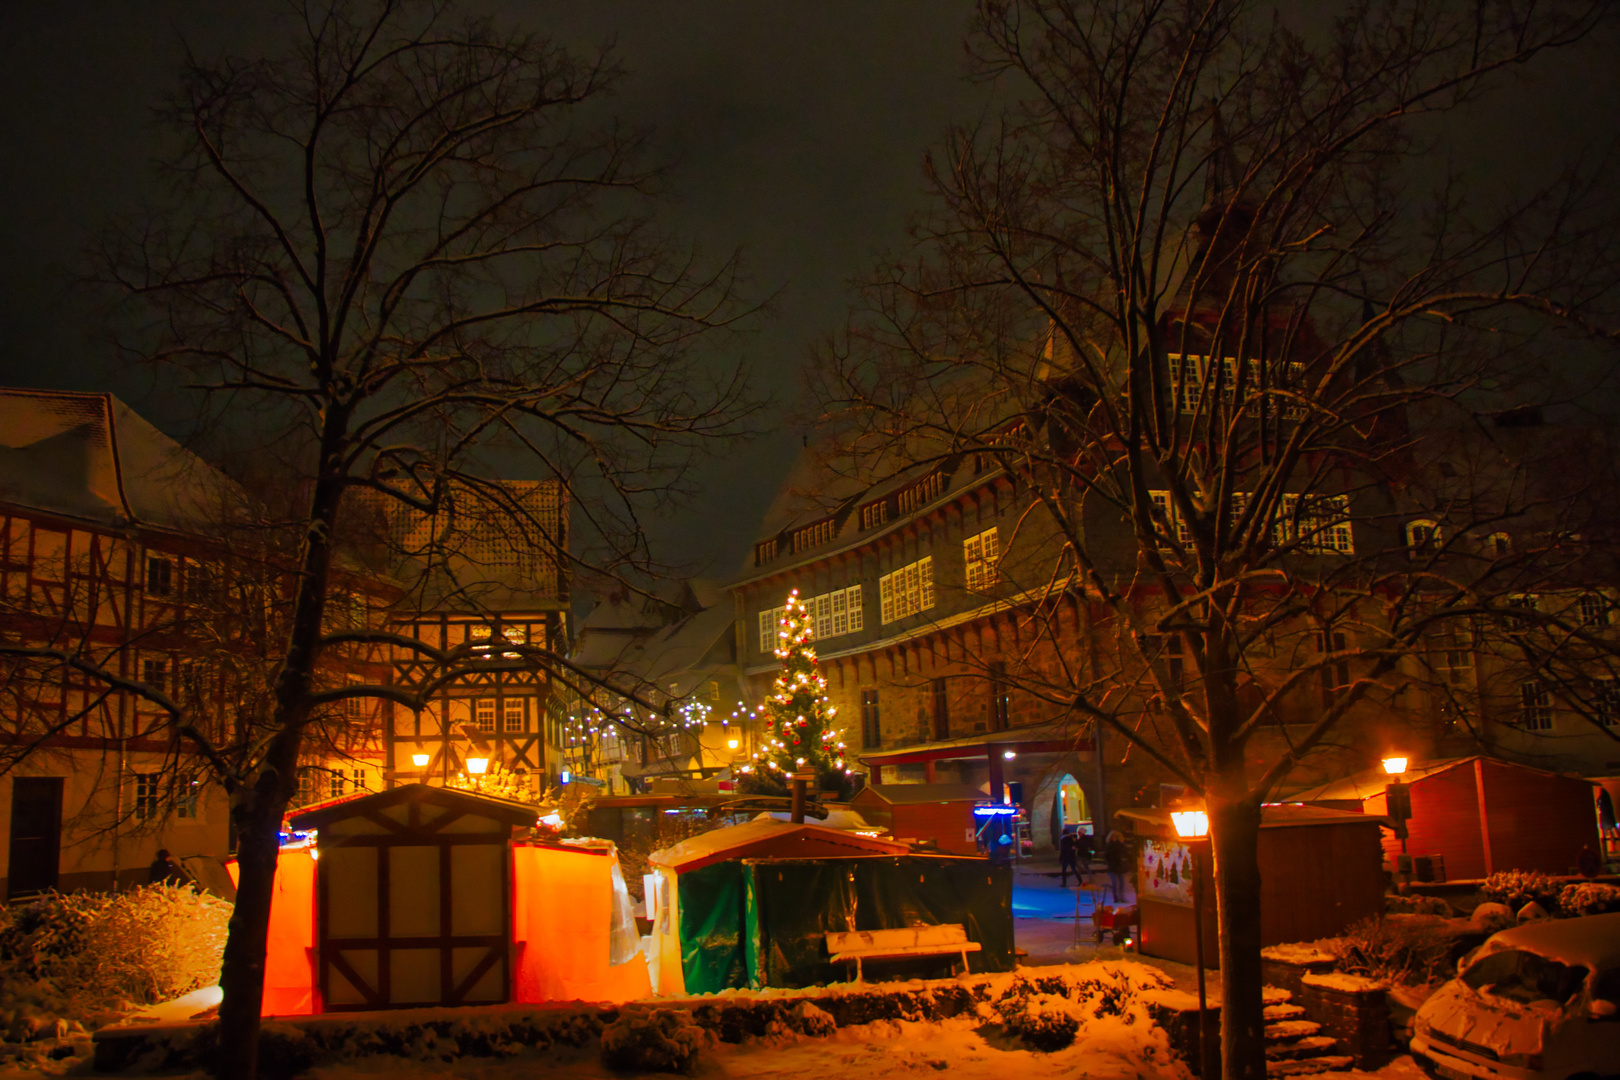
(1295, 1046)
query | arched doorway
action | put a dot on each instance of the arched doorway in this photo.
(1068, 805)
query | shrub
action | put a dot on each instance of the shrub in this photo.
(90, 956)
(654, 1040)
(1417, 949)
(1516, 888)
(1417, 905)
(1589, 898)
(1043, 1021)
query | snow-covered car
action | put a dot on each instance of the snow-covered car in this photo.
(1538, 1001)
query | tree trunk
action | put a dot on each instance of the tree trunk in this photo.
(265, 801)
(241, 976)
(1234, 826)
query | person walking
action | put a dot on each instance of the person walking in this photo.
(1117, 855)
(164, 869)
(1066, 861)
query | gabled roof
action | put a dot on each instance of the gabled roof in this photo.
(1371, 782)
(1156, 821)
(767, 838)
(467, 802)
(91, 458)
(921, 794)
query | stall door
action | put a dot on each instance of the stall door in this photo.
(414, 920)
(36, 835)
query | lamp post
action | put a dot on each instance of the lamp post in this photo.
(1398, 805)
(1192, 826)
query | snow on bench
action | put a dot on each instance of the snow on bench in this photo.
(941, 940)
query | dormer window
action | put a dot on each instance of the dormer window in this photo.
(1423, 537)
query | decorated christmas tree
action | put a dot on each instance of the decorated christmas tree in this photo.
(800, 735)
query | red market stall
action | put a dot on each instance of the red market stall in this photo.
(422, 896)
(942, 813)
(1320, 871)
(1474, 816)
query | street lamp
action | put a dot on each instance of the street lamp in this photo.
(1192, 826)
(420, 760)
(477, 765)
(1398, 806)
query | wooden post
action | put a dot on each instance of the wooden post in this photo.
(1484, 818)
(800, 781)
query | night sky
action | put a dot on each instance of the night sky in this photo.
(795, 130)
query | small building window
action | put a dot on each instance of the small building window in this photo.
(1594, 609)
(770, 624)
(1498, 545)
(1605, 702)
(1334, 674)
(1000, 698)
(155, 673)
(484, 714)
(159, 575)
(146, 796)
(980, 556)
(185, 803)
(907, 591)
(1535, 706)
(871, 727)
(512, 716)
(942, 712)
(1423, 538)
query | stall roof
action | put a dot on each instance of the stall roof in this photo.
(1272, 816)
(513, 813)
(1370, 782)
(917, 794)
(769, 838)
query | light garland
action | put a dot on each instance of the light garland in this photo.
(797, 712)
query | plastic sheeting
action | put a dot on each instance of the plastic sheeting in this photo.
(711, 922)
(763, 922)
(563, 923)
(623, 940)
(289, 954)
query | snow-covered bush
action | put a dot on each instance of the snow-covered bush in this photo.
(91, 956)
(654, 1040)
(1417, 905)
(807, 1019)
(1589, 898)
(1044, 1021)
(1418, 949)
(1516, 888)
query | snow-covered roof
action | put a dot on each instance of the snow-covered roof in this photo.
(90, 457)
(767, 837)
(917, 794)
(1593, 941)
(1371, 782)
(1157, 820)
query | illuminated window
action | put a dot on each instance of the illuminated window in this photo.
(907, 591)
(836, 613)
(484, 714)
(770, 623)
(980, 555)
(512, 716)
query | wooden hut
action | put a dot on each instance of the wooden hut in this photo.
(1320, 871)
(942, 813)
(1478, 815)
(427, 896)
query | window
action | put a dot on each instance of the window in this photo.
(146, 796)
(159, 575)
(306, 787)
(1334, 674)
(185, 805)
(1535, 706)
(1497, 545)
(907, 591)
(921, 493)
(1320, 523)
(874, 514)
(155, 673)
(810, 536)
(980, 554)
(871, 728)
(764, 551)
(1191, 377)
(198, 581)
(770, 623)
(512, 716)
(1000, 699)
(836, 613)
(1165, 514)
(484, 714)
(1452, 656)
(1605, 702)
(1423, 538)
(942, 712)
(1594, 609)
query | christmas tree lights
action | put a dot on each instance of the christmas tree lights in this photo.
(799, 734)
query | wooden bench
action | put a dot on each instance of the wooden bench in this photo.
(941, 940)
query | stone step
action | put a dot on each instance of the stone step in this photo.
(1275, 995)
(1310, 1046)
(1284, 1012)
(1307, 1066)
(1291, 1030)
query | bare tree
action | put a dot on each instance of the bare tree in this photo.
(1184, 294)
(418, 247)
